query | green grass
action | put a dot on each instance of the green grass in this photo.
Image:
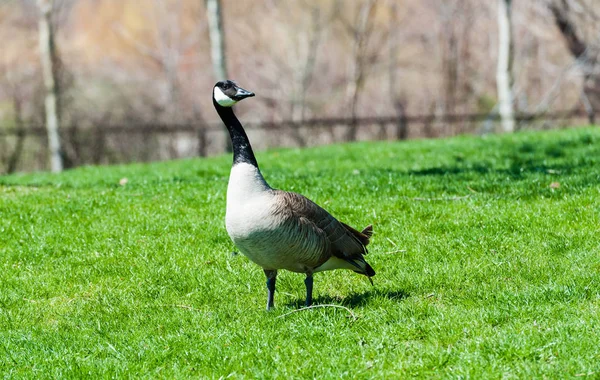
(487, 252)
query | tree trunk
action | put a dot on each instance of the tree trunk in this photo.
(307, 71)
(217, 38)
(398, 101)
(217, 46)
(169, 49)
(587, 57)
(450, 62)
(357, 76)
(504, 75)
(48, 60)
(13, 160)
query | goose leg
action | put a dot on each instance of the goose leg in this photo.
(309, 288)
(271, 278)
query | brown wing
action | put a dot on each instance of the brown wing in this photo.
(344, 241)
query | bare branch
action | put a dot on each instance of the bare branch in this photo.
(140, 47)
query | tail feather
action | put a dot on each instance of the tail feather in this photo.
(368, 231)
(363, 236)
(358, 262)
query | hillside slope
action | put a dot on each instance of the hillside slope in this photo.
(486, 252)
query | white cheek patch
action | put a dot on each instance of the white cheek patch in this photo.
(222, 99)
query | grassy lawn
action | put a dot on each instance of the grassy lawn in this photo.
(487, 252)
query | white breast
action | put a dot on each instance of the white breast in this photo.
(248, 201)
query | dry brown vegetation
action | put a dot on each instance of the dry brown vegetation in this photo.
(131, 62)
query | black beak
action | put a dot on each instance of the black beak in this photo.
(242, 94)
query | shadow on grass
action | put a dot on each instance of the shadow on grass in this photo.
(556, 157)
(354, 300)
(517, 168)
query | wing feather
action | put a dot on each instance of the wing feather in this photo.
(345, 242)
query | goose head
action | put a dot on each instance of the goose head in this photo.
(226, 93)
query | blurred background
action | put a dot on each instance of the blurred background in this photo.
(110, 81)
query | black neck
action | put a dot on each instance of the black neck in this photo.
(242, 150)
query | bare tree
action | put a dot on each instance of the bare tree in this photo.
(217, 38)
(13, 90)
(49, 62)
(586, 53)
(450, 12)
(216, 33)
(399, 101)
(305, 73)
(165, 50)
(504, 74)
(360, 31)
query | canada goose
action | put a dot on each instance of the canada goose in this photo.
(278, 229)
